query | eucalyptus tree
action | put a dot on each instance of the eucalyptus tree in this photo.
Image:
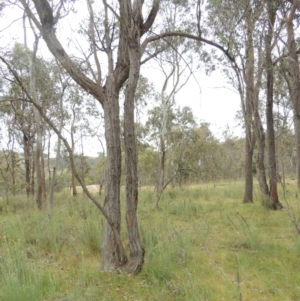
(178, 124)
(290, 63)
(38, 152)
(60, 115)
(123, 27)
(272, 7)
(238, 27)
(15, 105)
(19, 114)
(176, 72)
(120, 32)
(10, 168)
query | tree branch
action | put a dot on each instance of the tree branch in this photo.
(156, 37)
(69, 149)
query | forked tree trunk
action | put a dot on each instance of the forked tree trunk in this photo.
(137, 251)
(259, 133)
(252, 92)
(131, 27)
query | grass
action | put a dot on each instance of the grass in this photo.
(202, 244)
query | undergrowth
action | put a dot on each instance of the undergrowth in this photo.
(202, 243)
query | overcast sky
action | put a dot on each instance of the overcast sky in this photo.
(209, 99)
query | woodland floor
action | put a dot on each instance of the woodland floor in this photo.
(202, 244)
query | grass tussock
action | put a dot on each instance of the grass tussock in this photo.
(202, 243)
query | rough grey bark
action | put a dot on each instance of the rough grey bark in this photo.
(249, 147)
(137, 251)
(250, 136)
(27, 147)
(111, 257)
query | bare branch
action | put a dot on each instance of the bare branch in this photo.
(156, 37)
(92, 28)
(151, 17)
(48, 32)
(151, 56)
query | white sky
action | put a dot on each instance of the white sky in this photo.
(211, 99)
(213, 104)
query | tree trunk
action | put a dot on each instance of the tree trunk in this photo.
(32, 184)
(38, 164)
(57, 157)
(131, 27)
(161, 175)
(161, 172)
(294, 82)
(260, 165)
(112, 258)
(44, 191)
(274, 200)
(250, 137)
(252, 93)
(73, 185)
(297, 138)
(137, 251)
(73, 181)
(249, 145)
(260, 154)
(38, 145)
(27, 160)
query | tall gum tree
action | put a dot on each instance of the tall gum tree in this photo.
(38, 153)
(125, 67)
(293, 76)
(14, 104)
(272, 7)
(120, 38)
(238, 27)
(253, 80)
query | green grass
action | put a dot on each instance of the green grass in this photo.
(202, 243)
